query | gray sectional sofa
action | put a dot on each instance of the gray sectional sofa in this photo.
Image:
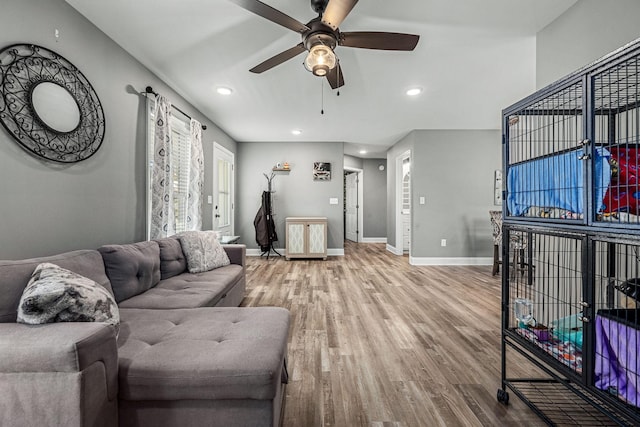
(185, 354)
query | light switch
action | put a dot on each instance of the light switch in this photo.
(210, 200)
(422, 201)
(333, 200)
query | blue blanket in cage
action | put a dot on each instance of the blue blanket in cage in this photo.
(555, 182)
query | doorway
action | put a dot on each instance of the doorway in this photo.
(403, 203)
(223, 190)
(353, 195)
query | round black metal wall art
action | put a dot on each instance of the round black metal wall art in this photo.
(48, 105)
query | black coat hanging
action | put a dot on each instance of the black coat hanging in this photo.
(264, 223)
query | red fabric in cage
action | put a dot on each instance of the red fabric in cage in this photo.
(623, 194)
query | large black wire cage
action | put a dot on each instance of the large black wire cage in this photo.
(571, 245)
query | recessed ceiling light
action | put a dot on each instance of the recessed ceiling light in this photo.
(223, 90)
(363, 151)
(414, 91)
(296, 132)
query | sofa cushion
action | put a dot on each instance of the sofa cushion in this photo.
(14, 276)
(189, 290)
(172, 260)
(55, 294)
(203, 250)
(203, 353)
(132, 268)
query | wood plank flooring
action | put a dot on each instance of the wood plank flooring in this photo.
(377, 342)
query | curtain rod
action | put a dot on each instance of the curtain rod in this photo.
(149, 89)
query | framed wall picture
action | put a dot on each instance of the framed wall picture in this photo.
(321, 171)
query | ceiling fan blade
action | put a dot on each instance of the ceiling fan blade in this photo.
(379, 40)
(335, 77)
(336, 11)
(278, 59)
(273, 15)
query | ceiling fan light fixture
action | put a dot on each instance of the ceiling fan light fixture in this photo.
(320, 60)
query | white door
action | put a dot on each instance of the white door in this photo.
(406, 204)
(351, 207)
(223, 191)
(403, 203)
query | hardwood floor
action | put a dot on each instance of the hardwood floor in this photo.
(377, 342)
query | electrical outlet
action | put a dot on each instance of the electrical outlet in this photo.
(422, 200)
(443, 242)
(210, 200)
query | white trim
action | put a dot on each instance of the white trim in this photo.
(450, 261)
(330, 252)
(374, 240)
(394, 251)
(360, 173)
(220, 151)
(398, 206)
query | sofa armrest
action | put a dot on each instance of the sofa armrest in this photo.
(236, 253)
(66, 347)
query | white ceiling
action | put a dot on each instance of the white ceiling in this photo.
(474, 58)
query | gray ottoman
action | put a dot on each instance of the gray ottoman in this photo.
(202, 366)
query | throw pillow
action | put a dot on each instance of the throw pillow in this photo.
(203, 251)
(55, 294)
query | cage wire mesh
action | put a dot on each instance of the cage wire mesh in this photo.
(546, 292)
(617, 131)
(545, 166)
(617, 320)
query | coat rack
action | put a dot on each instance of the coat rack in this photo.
(263, 222)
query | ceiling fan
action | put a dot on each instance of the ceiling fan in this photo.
(321, 36)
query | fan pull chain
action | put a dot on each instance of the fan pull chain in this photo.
(339, 72)
(322, 96)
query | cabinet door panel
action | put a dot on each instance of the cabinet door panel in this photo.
(316, 238)
(295, 238)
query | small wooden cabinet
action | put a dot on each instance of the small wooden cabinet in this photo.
(306, 237)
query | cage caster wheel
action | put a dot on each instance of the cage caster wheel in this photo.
(503, 396)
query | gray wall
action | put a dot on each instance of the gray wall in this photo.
(584, 33)
(48, 208)
(374, 198)
(352, 162)
(296, 193)
(453, 170)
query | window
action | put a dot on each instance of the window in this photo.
(223, 183)
(224, 193)
(180, 152)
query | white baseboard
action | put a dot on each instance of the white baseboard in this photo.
(258, 252)
(373, 240)
(393, 250)
(450, 261)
